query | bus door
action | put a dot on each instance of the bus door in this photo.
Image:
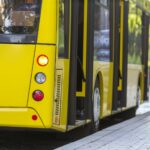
(77, 87)
(120, 55)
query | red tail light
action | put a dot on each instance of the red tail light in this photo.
(38, 95)
(34, 117)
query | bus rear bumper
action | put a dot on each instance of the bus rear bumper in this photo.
(20, 117)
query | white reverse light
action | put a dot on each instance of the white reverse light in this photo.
(40, 78)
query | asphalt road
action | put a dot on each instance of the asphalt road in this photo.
(26, 140)
(29, 140)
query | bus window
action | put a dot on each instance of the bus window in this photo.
(61, 44)
(102, 32)
(135, 34)
(19, 21)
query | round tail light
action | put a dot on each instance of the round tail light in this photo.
(40, 78)
(42, 60)
(38, 95)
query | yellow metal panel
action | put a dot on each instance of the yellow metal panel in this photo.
(134, 72)
(105, 72)
(121, 42)
(57, 102)
(44, 107)
(85, 37)
(19, 117)
(16, 65)
(47, 27)
(63, 65)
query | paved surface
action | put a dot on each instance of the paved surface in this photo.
(133, 134)
(27, 140)
(144, 108)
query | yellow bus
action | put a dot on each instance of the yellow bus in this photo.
(67, 63)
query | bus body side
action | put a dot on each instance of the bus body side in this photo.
(19, 67)
(19, 63)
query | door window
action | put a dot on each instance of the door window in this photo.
(61, 44)
(63, 29)
(102, 31)
(134, 34)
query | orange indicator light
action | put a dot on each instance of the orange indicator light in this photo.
(42, 60)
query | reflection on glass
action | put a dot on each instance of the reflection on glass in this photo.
(135, 34)
(61, 28)
(101, 33)
(17, 19)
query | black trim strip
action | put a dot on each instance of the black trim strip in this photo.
(67, 22)
(89, 62)
(73, 64)
(45, 44)
(116, 50)
(111, 19)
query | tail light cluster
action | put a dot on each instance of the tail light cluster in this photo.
(40, 77)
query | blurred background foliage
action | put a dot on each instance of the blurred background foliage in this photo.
(135, 34)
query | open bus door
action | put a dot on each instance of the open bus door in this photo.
(120, 54)
(80, 88)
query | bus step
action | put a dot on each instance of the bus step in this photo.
(80, 115)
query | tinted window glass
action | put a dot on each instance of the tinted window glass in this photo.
(19, 20)
(61, 45)
(102, 31)
(135, 34)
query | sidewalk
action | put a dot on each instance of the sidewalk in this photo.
(133, 134)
